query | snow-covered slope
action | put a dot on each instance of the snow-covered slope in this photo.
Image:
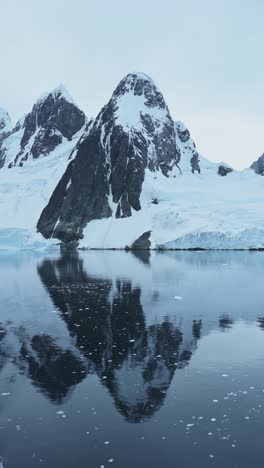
(24, 192)
(192, 211)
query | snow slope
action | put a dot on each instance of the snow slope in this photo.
(24, 191)
(193, 211)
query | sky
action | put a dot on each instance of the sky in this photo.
(206, 56)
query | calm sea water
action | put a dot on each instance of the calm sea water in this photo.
(108, 359)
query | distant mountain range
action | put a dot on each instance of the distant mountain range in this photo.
(131, 178)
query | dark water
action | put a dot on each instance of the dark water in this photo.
(112, 359)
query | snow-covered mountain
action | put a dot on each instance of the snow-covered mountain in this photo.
(134, 136)
(53, 121)
(33, 157)
(131, 178)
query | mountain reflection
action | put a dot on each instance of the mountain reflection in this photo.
(134, 361)
(225, 322)
(52, 370)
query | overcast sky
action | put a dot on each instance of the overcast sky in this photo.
(206, 56)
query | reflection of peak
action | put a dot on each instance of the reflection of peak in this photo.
(52, 370)
(140, 384)
(225, 322)
(135, 361)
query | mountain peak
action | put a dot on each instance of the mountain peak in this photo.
(60, 92)
(53, 118)
(139, 76)
(136, 97)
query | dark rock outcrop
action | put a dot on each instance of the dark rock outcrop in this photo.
(195, 163)
(183, 133)
(189, 158)
(143, 242)
(258, 166)
(224, 170)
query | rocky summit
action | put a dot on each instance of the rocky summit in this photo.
(54, 118)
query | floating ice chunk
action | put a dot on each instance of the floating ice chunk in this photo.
(179, 298)
(213, 419)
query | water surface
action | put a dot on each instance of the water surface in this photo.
(113, 359)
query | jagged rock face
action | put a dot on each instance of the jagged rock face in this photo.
(188, 156)
(190, 159)
(195, 163)
(5, 130)
(183, 132)
(224, 170)
(133, 132)
(53, 118)
(258, 166)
